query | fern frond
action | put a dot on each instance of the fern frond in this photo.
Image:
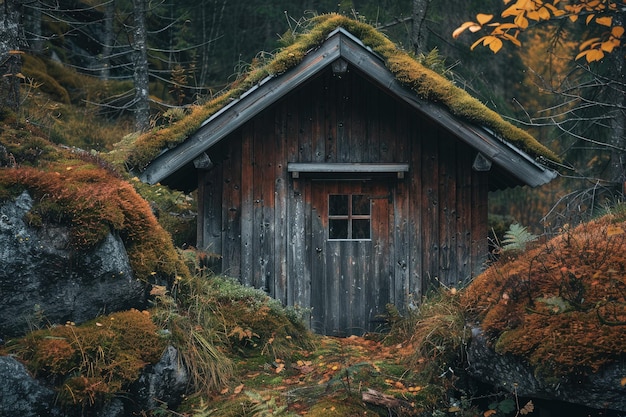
(517, 237)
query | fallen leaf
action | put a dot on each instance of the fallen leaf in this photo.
(527, 409)
(489, 413)
(158, 290)
(224, 391)
(238, 389)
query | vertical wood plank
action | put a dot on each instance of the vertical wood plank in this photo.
(464, 210)
(202, 215)
(430, 211)
(280, 205)
(374, 107)
(480, 228)
(247, 205)
(380, 249)
(264, 226)
(210, 210)
(232, 208)
(342, 121)
(447, 207)
(306, 251)
(329, 122)
(409, 219)
(319, 286)
(320, 107)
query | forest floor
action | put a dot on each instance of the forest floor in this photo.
(353, 376)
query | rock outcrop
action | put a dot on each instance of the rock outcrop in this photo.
(162, 383)
(550, 321)
(602, 390)
(159, 384)
(43, 281)
(21, 395)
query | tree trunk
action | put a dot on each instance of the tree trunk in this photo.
(617, 95)
(10, 61)
(107, 41)
(209, 35)
(32, 16)
(418, 29)
(140, 65)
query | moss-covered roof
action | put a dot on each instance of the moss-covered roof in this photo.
(427, 84)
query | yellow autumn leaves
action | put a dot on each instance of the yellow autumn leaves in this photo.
(521, 13)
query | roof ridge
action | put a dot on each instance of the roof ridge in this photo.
(424, 82)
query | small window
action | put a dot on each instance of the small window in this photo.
(349, 217)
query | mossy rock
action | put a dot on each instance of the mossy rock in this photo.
(93, 361)
(562, 305)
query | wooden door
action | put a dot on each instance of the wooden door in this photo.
(350, 268)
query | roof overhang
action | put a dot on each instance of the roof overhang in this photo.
(511, 166)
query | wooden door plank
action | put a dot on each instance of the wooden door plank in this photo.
(247, 205)
(232, 211)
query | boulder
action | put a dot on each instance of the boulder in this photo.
(162, 383)
(21, 395)
(602, 390)
(43, 281)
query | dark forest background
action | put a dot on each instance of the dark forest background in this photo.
(195, 49)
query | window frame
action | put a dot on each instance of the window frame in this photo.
(349, 217)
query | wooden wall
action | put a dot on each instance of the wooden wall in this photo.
(258, 217)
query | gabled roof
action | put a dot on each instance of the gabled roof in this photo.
(514, 154)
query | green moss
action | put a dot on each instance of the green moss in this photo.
(36, 70)
(427, 84)
(89, 362)
(340, 407)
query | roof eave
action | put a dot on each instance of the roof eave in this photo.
(341, 44)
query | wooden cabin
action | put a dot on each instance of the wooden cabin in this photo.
(337, 189)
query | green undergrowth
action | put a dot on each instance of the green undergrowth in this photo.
(327, 380)
(314, 376)
(213, 319)
(435, 331)
(89, 363)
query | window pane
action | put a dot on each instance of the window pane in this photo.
(360, 204)
(338, 205)
(361, 229)
(337, 229)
